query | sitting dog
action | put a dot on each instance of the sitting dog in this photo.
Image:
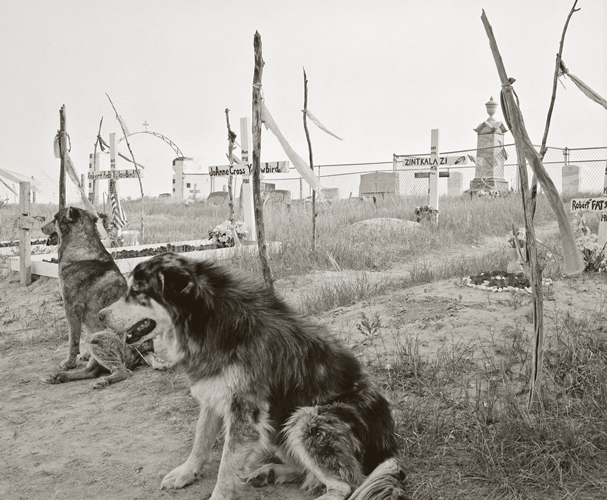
(274, 380)
(90, 280)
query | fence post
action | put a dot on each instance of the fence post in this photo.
(25, 244)
(396, 187)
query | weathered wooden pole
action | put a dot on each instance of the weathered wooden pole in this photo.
(256, 157)
(305, 122)
(526, 152)
(231, 139)
(63, 155)
(555, 78)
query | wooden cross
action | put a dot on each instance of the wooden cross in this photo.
(146, 124)
(111, 175)
(434, 163)
(244, 168)
(25, 223)
(194, 191)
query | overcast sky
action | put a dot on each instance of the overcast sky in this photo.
(381, 74)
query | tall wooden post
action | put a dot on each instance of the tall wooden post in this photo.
(257, 201)
(305, 121)
(231, 139)
(573, 260)
(63, 155)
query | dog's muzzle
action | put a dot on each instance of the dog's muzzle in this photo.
(49, 230)
(139, 330)
(52, 240)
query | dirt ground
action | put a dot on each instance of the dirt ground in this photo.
(69, 441)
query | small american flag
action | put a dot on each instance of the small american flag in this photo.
(118, 215)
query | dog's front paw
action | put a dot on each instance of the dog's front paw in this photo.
(55, 378)
(68, 364)
(179, 477)
(263, 476)
(100, 383)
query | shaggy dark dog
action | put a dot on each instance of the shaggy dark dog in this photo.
(90, 280)
(276, 381)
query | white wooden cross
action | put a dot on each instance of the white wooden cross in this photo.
(194, 191)
(113, 174)
(434, 163)
(245, 169)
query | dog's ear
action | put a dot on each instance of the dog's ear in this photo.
(175, 282)
(71, 215)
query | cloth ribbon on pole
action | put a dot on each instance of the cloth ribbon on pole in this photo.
(302, 167)
(14, 177)
(9, 176)
(8, 187)
(317, 122)
(591, 94)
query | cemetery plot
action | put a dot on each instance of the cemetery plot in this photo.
(128, 257)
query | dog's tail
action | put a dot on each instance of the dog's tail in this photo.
(384, 483)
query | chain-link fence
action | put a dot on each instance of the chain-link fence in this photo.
(584, 173)
(584, 170)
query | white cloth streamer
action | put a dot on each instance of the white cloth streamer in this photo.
(302, 167)
(320, 125)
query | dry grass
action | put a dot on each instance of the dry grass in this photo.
(464, 426)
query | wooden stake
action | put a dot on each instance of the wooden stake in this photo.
(63, 155)
(557, 70)
(256, 157)
(305, 121)
(573, 261)
(535, 273)
(231, 139)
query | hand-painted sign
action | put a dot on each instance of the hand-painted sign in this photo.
(270, 167)
(114, 174)
(590, 204)
(441, 160)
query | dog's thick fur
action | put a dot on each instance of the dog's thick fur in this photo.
(89, 280)
(275, 380)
